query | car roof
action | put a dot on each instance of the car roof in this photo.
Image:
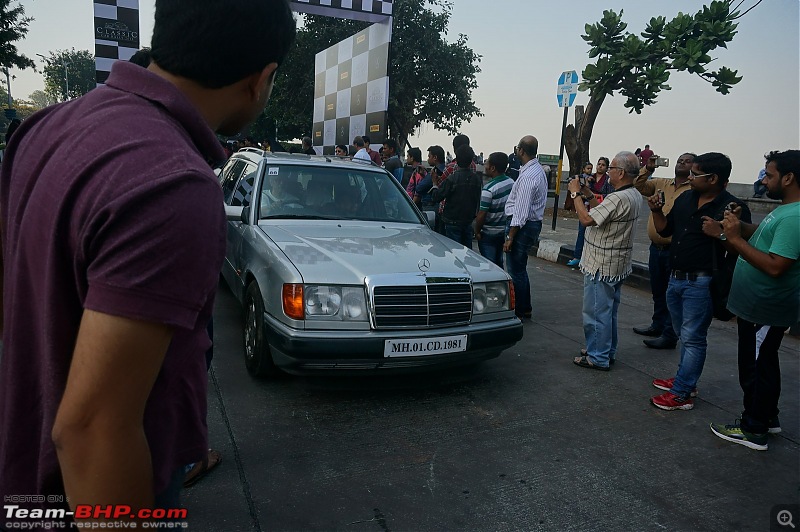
(255, 156)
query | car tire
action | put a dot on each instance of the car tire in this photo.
(257, 356)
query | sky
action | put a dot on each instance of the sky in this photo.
(526, 44)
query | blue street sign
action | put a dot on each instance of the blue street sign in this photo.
(567, 88)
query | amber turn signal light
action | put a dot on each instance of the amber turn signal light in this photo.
(293, 301)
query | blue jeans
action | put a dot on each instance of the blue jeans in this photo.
(659, 279)
(690, 306)
(600, 306)
(524, 240)
(460, 233)
(579, 242)
(491, 246)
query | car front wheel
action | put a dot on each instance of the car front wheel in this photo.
(257, 357)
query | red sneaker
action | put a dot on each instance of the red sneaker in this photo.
(668, 401)
(666, 385)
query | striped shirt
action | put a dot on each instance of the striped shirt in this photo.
(609, 244)
(528, 196)
(493, 201)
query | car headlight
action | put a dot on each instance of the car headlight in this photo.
(490, 297)
(338, 303)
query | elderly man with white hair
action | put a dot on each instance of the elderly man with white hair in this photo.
(606, 260)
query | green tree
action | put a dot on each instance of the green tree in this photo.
(40, 99)
(638, 68)
(431, 80)
(72, 68)
(13, 27)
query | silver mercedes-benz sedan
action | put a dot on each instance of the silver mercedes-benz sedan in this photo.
(340, 273)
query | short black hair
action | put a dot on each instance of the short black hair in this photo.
(785, 162)
(141, 58)
(438, 152)
(464, 156)
(460, 140)
(366, 139)
(715, 163)
(358, 142)
(342, 147)
(415, 154)
(306, 141)
(499, 160)
(604, 159)
(391, 144)
(217, 43)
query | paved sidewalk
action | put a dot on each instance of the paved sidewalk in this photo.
(529, 442)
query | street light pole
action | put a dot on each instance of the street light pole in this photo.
(8, 84)
(66, 74)
(64, 63)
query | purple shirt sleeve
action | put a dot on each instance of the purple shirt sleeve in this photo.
(156, 257)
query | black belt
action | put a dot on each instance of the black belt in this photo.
(661, 247)
(688, 276)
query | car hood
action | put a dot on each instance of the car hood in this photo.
(346, 252)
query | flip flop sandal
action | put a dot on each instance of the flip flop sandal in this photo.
(584, 353)
(584, 362)
(200, 469)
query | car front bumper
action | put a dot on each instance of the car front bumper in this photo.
(307, 352)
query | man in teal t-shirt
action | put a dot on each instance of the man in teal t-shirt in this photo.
(765, 296)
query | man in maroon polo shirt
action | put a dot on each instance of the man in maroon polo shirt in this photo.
(113, 235)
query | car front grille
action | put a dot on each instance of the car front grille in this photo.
(430, 305)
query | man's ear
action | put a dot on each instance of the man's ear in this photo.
(788, 177)
(261, 82)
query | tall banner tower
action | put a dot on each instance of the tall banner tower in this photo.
(116, 33)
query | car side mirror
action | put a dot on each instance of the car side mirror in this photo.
(245, 218)
(234, 214)
(430, 217)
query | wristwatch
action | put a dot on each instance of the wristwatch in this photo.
(573, 195)
(722, 236)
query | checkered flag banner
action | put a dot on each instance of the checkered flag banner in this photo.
(116, 33)
(367, 10)
(351, 89)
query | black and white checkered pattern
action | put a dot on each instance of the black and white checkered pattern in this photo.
(368, 10)
(351, 89)
(116, 32)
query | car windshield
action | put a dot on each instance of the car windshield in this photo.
(333, 193)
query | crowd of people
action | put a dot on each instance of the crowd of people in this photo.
(698, 255)
(106, 400)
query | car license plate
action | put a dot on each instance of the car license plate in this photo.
(412, 347)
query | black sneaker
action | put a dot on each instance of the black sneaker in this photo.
(773, 425)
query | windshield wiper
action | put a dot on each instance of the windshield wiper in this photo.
(297, 217)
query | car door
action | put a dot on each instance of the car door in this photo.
(235, 193)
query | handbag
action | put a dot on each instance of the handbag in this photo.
(720, 287)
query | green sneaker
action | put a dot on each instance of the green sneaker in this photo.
(735, 434)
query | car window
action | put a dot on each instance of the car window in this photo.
(243, 191)
(333, 193)
(230, 176)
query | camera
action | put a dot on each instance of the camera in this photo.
(662, 199)
(662, 161)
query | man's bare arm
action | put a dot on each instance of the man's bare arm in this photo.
(98, 431)
(643, 185)
(769, 263)
(479, 221)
